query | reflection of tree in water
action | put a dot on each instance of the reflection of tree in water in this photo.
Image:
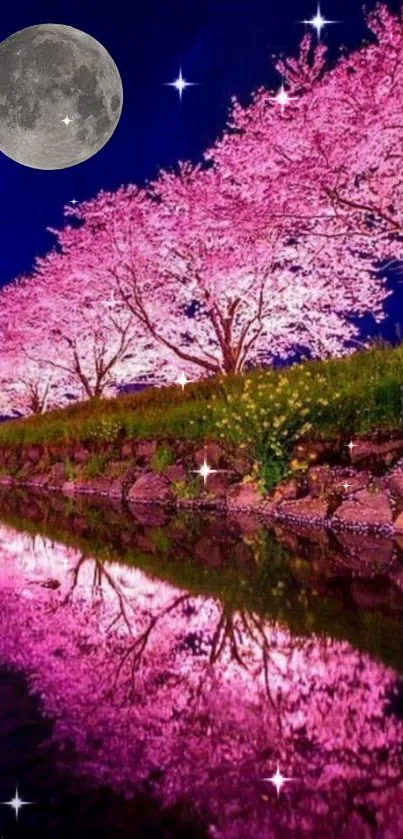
(153, 686)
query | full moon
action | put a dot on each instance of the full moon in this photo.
(61, 96)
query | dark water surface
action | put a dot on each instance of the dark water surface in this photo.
(156, 668)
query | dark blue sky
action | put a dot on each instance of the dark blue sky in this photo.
(225, 45)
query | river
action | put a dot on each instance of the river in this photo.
(157, 669)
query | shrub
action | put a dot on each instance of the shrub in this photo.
(95, 465)
(189, 489)
(70, 469)
(161, 458)
(268, 417)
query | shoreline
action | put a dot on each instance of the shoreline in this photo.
(362, 494)
(268, 512)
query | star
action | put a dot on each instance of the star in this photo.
(318, 22)
(204, 471)
(277, 780)
(180, 84)
(346, 485)
(67, 121)
(16, 803)
(73, 201)
(351, 446)
(111, 303)
(282, 98)
(183, 380)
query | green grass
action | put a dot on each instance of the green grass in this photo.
(161, 458)
(345, 396)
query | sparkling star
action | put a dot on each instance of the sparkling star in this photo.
(282, 98)
(182, 381)
(180, 84)
(67, 121)
(318, 22)
(277, 780)
(16, 803)
(111, 303)
(204, 471)
(351, 446)
(346, 485)
(73, 201)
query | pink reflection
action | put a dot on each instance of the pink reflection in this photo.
(149, 685)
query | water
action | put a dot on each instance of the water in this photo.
(155, 670)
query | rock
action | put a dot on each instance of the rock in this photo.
(127, 449)
(151, 488)
(208, 551)
(213, 453)
(40, 481)
(32, 453)
(80, 455)
(175, 473)
(287, 490)
(398, 525)
(316, 451)
(69, 488)
(366, 510)
(306, 510)
(244, 497)
(268, 508)
(371, 593)
(345, 483)
(394, 483)
(57, 475)
(318, 480)
(363, 552)
(336, 481)
(219, 483)
(149, 516)
(95, 486)
(115, 489)
(241, 464)
(145, 450)
(372, 454)
(287, 538)
(248, 525)
(130, 476)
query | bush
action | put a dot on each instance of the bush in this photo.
(189, 489)
(268, 417)
(95, 465)
(161, 458)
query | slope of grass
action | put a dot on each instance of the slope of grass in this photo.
(265, 410)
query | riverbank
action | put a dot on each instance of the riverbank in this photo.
(318, 443)
(365, 495)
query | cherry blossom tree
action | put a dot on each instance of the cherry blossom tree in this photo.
(24, 388)
(215, 290)
(337, 144)
(276, 243)
(60, 338)
(276, 246)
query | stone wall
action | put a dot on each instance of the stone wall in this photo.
(364, 494)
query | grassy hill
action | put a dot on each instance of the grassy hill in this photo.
(264, 411)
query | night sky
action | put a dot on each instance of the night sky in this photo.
(224, 45)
